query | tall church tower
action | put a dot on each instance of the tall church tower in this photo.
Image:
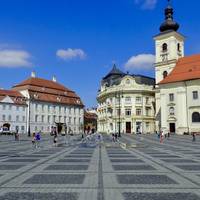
(169, 47)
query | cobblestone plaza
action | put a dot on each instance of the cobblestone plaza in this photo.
(138, 167)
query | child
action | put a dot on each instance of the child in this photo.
(33, 140)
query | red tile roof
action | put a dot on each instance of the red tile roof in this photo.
(49, 91)
(187, 68)
(16, 96)
(89, 115)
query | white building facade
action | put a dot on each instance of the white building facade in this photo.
(126, 103)
(13, 111)
(47, 104)
(178, 81)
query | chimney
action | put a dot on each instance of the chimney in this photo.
(54, 79)
(33, 74)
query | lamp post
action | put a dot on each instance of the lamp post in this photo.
(29, 117)
(120, 95)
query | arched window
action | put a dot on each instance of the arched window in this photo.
(195, 117)
(128, 81)
(178, 47)
(165, 74)
(164, 47)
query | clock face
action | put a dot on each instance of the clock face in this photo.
(164, 58)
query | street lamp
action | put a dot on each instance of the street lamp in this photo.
(29, 117)
(119, 95)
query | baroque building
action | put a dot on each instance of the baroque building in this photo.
(126, 103)
(177, 79)
(48, 104)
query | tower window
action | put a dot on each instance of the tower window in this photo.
(178, 47)
(164, 47)
(165, 74)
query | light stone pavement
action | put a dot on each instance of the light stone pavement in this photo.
(136, 168)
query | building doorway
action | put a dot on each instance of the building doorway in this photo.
(60, 127)
(138, 127)
(128, 127)
(6, 127)
(172, 127)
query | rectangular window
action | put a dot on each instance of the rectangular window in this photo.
(128, 112)
(128, 100)
(42, 118)
(4, 117)
(118, 112)
(147, 100)
(36, 118)
(22, 128)
(4, 107)
(9, 118)
(148, 111)
(70, 120)
(54, 118)
(49, 118)
(138, 112)
(171, 97)
(195, 94)
(36, 107)
(138, 100)
(23, 118)
(17, 118)
(10, 107)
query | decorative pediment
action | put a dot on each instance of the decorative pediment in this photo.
(7, 99)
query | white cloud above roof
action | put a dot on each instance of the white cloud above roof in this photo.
(14, 58)
(141, 61)
(69, 54)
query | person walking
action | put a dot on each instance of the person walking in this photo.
(38, 138)
(161, 136)
(17, 134)
(168, 134)
(55, 139)
(33, 140)
(193, 137)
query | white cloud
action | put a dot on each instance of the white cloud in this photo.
(14, 58)
(70, 54)
(146, 4)
(141, 61)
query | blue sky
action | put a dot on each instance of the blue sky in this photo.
(78, 41)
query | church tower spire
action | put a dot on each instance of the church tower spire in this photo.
(169, 23)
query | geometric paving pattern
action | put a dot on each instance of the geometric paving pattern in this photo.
(56, 179)
(39, 196)
(144, 170)
(144, 179)
(160, 196)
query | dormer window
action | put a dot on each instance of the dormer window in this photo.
(58, 99)
(36, 95)
(164, 47)
(165, 73)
